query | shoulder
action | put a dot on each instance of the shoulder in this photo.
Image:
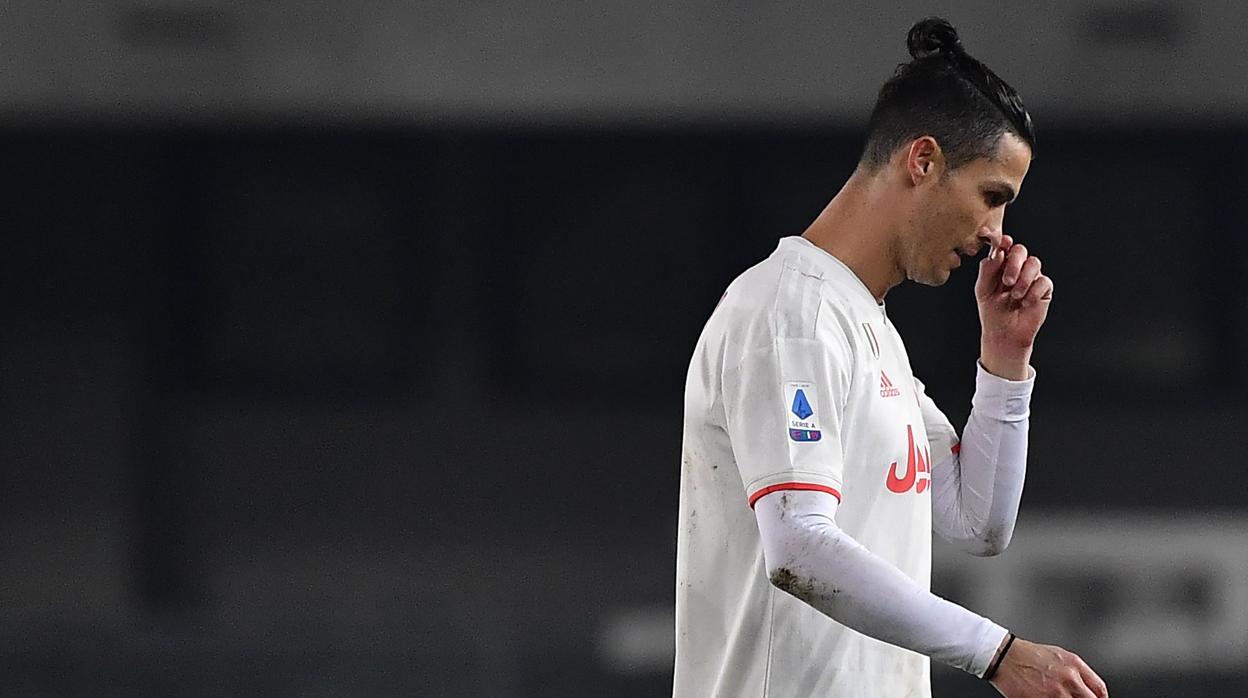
(788, 296)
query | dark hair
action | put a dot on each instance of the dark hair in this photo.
(947, 94)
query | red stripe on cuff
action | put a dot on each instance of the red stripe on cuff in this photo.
(807, 486)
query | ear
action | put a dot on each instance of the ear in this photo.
(924, 159)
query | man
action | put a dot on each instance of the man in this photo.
(813, 580)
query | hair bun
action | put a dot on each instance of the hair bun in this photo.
(933, 37)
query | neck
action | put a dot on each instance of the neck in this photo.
(858, 227)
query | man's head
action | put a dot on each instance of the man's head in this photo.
(958, 140)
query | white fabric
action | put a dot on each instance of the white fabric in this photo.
(809, 556)
(802, 321)
(976, 490)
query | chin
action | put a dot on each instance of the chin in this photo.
(936, 277)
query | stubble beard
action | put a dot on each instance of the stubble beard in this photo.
(932, 277)
(923, 269)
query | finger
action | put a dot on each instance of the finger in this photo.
(1013, 264)
(1029, 273)
(989, 273)
(1041, 291)
(1091, 680)
(997, 252)
(990, 267)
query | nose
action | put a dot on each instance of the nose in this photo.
(991, 233)
(990, 236)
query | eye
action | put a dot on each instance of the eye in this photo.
(995, 199)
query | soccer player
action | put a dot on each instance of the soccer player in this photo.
(815, 467)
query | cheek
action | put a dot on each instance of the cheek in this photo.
(970, 221)
(953, 231)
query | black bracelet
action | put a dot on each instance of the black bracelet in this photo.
(996, 664)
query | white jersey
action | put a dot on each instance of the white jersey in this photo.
(800, 382)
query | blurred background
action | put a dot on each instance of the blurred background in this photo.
(343, 343)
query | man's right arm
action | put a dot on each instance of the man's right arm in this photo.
(810, 557)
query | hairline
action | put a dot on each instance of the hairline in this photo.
(993, 150)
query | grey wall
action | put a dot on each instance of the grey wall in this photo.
(563, 60)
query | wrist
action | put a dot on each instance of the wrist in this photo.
(999, 658)
(1011, 365)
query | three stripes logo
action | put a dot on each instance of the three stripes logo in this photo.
(886, 386)
(871, 340)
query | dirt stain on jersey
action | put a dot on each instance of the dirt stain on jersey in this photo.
(801, 587)
(785, 580)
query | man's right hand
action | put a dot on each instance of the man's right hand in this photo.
(1045, 671)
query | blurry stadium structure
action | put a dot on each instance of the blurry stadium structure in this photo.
(343, 344)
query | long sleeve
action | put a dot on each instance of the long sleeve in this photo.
(976, 487)
(810, 557)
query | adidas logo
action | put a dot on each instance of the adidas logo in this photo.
(886, 386)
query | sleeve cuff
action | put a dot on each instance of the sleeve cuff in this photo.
(1002, 399)
(792, 480)
(991, 640)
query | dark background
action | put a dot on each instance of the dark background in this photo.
(358, 406)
